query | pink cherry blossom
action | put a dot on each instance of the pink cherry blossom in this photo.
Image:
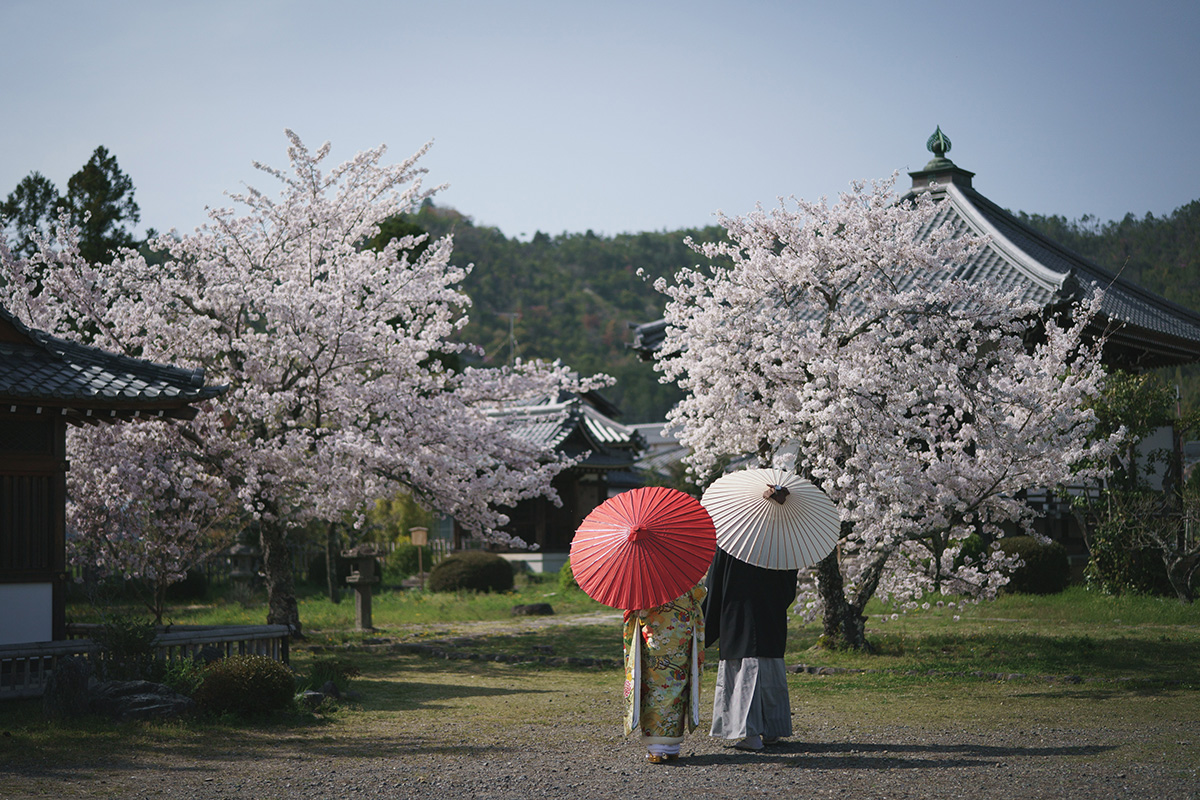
(839, 341)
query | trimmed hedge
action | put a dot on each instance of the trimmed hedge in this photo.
(246, 685)
(472, 571)
(566, 578)
(1046, 569)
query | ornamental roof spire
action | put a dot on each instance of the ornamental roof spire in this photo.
(939, 145)
(940, 170)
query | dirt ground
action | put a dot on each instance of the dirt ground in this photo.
(427, 727)
(430, 729)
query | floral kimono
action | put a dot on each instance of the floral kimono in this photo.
(664, 651)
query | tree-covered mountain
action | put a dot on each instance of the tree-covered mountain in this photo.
(571, 297)
(574, 295)
(1161, 254)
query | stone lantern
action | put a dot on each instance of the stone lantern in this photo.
(362, 576)
(243, 564)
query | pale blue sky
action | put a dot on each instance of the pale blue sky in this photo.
(615, 116)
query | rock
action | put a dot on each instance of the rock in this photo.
(533, 610)
(66, 692)
(312, 699)
(126, 700)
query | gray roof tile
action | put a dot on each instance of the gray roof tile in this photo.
(43, 370)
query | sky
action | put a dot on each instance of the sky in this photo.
(612, 116)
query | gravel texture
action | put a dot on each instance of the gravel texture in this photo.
(480, 730)
(907, 762)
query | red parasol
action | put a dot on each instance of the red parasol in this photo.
(643, 548)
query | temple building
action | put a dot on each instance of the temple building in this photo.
(47, 384)
(1144, 330)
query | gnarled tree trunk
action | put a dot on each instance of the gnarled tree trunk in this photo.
(282, 608)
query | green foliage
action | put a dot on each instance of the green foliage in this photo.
(566, 578)
(100, 200)
(1139, 402)
(472, 571)
(331, 668)
(573, 295)
(183, 676)
(974, 548)
(29, 210)
(1161, 254)
(390, 519)
(1045, 569)
(128, 648)
(247, 685)
(1118, 563)
(405, 560)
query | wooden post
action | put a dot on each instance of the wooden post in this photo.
(420, 538)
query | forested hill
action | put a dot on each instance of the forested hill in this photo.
(1161, 254)
(570, 297)
(573, 296)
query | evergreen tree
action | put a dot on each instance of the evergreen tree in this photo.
(29, 211)
(100, 201)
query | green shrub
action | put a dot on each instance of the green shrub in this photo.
(246, 685)
(972, 547)
(1046, 569)
(1116, 565)
(128, 648)
(183, 676)
(472, 571)
(332, 668)
(403, 561)
(566, 578)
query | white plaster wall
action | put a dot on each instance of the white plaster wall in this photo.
(26, 612)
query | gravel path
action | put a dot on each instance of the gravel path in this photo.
(440, 730)
(908, 762)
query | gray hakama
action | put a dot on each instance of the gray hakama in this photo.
(751, 698)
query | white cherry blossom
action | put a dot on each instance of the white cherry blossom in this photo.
(838, 340)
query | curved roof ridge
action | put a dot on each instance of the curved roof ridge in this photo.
(1050, 279)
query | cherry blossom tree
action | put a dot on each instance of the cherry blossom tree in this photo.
(334, 354)
(836, 340)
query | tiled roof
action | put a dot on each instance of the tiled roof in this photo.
(573, 426)
(1144, 330)
(38, 370)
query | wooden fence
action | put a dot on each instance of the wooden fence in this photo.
(24, 668)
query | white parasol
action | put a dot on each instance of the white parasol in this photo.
(772, 518)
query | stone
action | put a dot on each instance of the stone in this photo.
(312, 699)
(533, 610)
(129, 700)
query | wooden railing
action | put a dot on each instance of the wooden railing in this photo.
(24, 668)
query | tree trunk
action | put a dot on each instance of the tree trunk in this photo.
(282, 608)
(331, 559)
(843, 624)
(1180, 571)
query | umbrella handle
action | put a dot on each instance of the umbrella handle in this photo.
(777, 493)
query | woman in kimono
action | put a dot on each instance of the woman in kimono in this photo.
(747, 613)
(664, 652)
